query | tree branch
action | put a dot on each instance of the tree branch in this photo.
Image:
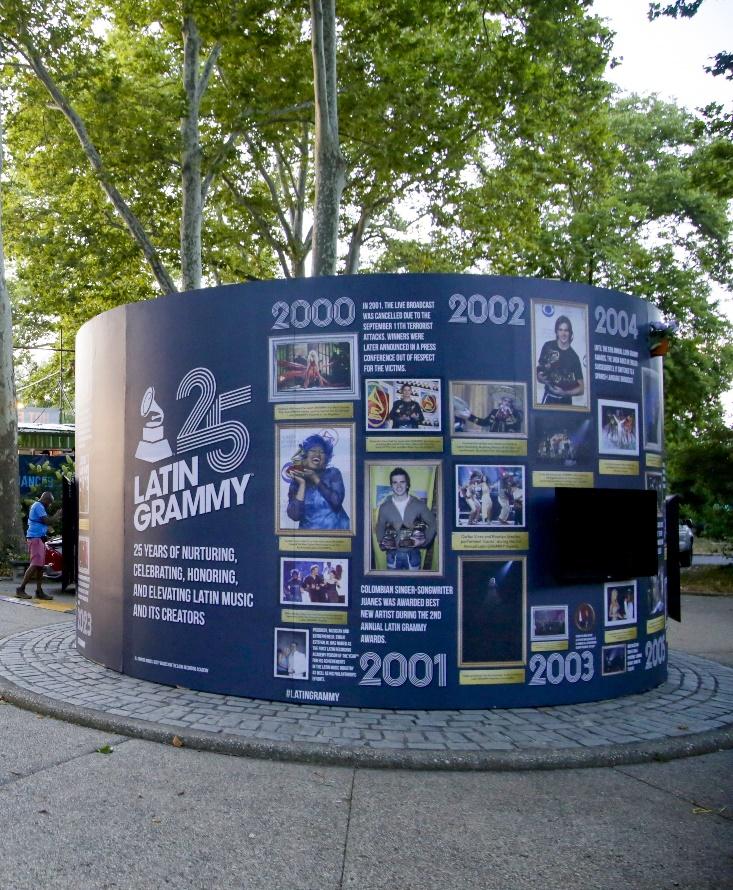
(27, 48)
(261, 222)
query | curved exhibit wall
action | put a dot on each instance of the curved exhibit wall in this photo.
(415, 491)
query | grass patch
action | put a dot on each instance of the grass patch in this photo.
(709, 547)
(710, 580)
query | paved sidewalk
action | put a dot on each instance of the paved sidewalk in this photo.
(692, 713)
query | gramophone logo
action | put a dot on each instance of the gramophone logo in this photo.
(153, 446)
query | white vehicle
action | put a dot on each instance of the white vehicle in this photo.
(686, 542)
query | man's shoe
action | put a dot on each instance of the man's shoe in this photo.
(42, 595)
(22, 595)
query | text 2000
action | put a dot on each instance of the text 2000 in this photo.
(321, 313)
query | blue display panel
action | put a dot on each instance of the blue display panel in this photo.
(343, 491)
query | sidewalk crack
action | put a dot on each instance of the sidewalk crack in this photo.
(348, 825)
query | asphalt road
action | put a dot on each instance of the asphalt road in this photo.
(146, 815)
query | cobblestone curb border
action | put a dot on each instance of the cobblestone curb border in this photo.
(689, 715)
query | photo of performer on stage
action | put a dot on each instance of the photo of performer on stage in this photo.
(563, 440)
(490, 495)
(618, 428)
(313, 369)
(560, 346)
(656, 595)
(403, 513)
(491, 611)
(314, 580)
(654, 481)
(549, 623)
(651, 388)
(492, 408)
(613, 660)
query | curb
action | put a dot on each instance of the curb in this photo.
(661, 750)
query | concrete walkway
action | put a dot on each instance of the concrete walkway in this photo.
(692, 713)
(95, 809)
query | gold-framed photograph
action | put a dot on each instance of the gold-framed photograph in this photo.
(403, 522)
(492, 611)
(315, 479)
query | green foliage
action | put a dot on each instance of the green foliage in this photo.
(622, 200)
(56, 475)
(491, 122)
(707, 580)
(701, 472)
(421, 86)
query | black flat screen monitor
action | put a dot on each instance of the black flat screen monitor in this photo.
(605, 534)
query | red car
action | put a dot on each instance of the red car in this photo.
(54, 562)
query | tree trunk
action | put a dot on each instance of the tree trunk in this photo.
(357, 239)
(191, 184)
(329, 162)
(191, 162)
(11, 532)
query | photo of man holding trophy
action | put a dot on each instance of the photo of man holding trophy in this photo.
(404, 526)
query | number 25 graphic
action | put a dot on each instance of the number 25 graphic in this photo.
(204, 426)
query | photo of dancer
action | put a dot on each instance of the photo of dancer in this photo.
(309, 581)
(491, 611)
(315, 479)
(313, 368)
(618, 425)
(489, 495)
(560, 346)
(404, 405)
(492, 408)
(403, 513)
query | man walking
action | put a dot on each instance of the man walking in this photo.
(38, 522)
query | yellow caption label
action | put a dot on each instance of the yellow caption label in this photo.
(654, 460)
(490, 540)
(654, 625)
(620, 635)
(404, 443)
(550, 646)
(310, 543)
(309, 410)
(561, 479)
(618, 467)
(491, 678)
(298, 616)
(84, 525)
(482, 447)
